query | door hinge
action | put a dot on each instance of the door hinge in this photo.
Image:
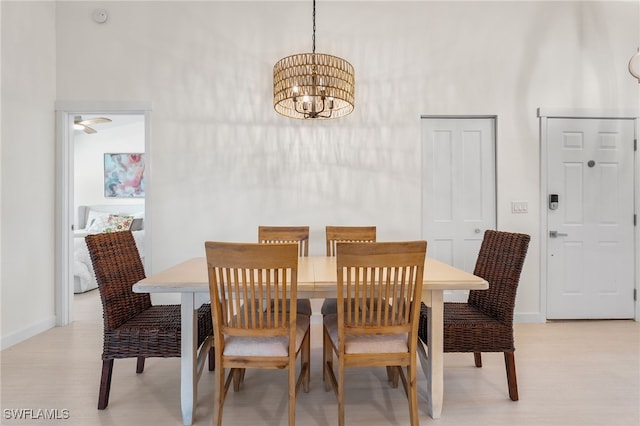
(635, 144)
(635, 219)
(635, 294)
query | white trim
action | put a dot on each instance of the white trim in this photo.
(97, 107)
(529, 318)
(544, 114)
(27, 333)
(589, 113)
(65, 110)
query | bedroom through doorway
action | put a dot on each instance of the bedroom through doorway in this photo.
(103, 172)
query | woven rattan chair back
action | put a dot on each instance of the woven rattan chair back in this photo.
(353, 234)
(485, 322)
(117, 266)
(286, 234)
(133, 328)
(500, 262)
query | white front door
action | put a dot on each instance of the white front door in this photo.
(458, 189)
(590, 241)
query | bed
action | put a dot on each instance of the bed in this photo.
(102, 218)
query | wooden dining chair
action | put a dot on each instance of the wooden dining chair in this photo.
(379, 288)
(351, 234)
(246, 336)
(289, 234)
(133, 328)
(485, 322)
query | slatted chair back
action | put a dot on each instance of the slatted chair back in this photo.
(255, 273)
(241, 276)
(379, 291)
(117, 266)
(353, 234)
(500, 261)
(377, 286)
(286, 234)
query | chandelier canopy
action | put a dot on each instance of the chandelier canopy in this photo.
(313, 85)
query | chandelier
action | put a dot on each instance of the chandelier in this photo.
(313, 85)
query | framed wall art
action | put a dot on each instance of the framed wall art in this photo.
(124, 175)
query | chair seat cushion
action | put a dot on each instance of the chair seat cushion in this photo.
(467, 329)
(329, 306)
(387, 343)
(265, 346)
(154, 332)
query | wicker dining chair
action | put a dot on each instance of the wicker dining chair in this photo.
(368, 331)
(350, 234)
(485, 322)
(289, 234)
(247, 337)
(133, 328)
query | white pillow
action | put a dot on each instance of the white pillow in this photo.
(94, 216)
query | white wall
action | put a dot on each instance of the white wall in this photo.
(224, 162)
(89, 150)
(27, 179)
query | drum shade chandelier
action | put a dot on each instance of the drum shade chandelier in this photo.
(313, 85)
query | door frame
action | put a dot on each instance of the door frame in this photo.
(544, 114)
(64, 219)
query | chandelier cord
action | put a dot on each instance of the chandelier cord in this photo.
(313, 40)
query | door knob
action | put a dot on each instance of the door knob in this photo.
(477, 230)
(556, 234)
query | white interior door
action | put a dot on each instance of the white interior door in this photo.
(590, 245)
(459, 189)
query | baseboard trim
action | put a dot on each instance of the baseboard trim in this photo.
(529, 318)
(26, 333)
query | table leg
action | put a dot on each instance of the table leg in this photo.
(432, 360)
(188, 359)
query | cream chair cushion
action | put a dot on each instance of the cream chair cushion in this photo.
(265, 346)
(387, 343)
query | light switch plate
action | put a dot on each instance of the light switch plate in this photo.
(519, 207)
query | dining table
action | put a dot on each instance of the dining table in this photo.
(317, 277)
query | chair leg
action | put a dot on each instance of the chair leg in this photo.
(140, 365)
(292, 392)
(221, 388)
(413, 392)
(477, 356)
(212, 358)
(327, 358)
(306, 361)
(237, 378)
(340, 391)
(324, 354)
(105, 384)
(510, 364)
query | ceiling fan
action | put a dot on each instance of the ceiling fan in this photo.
(80, 124)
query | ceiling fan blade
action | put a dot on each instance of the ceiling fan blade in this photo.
(88, 130)
(96, 120)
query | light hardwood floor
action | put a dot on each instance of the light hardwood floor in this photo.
(569, 373)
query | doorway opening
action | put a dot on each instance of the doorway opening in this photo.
(101, 171)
